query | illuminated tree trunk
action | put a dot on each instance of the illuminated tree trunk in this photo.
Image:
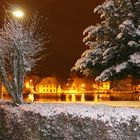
(20, 45)
(13, 85)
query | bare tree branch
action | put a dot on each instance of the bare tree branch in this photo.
(20, 44)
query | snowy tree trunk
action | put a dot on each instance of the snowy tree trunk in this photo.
(14, 86)
(20, 44)
(4, 76)
(19, 73)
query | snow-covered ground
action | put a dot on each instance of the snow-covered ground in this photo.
(70, 121)
(135, 104)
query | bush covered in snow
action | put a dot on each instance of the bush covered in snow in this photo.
(68, 122)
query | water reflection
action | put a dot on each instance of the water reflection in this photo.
(88, 97)
(80, 97)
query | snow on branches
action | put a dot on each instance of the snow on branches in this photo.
(20, 44)
(114, 44)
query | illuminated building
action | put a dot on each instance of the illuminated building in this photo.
(48, 85)
(102, 86)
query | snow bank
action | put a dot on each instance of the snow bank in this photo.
(68, 122)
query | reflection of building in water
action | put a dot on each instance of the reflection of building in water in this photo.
(48, 85)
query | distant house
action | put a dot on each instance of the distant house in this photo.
(48, 85)
(105, 85)
(102, 86)
(30, 83)
(87, 85)
(127, 84)
(138, 88)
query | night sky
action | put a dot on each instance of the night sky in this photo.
(66, 20)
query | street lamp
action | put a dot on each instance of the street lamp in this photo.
(18, 13)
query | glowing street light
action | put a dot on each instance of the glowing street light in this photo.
(83, 85)
(18, 13)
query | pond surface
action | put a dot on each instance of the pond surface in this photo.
(87, 97)
(45, 97)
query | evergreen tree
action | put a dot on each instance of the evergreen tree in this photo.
(114, 44)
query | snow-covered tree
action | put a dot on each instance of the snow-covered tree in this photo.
(114, 44)
(20, 45)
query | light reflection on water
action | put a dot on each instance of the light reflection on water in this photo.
(81, 97)
(87, 97)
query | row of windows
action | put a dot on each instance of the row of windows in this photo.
(44, 90)
(49, 86)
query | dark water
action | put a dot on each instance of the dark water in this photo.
(88, 97)
(80, 97)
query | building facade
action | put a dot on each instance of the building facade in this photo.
(48, 85)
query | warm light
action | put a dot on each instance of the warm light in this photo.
(31, 97)
(67, 98)
(82, 97)
(71, 91)
(73, 84)
(83, 85)
(27, 85)
(100, 96)
(96, 98)
(73, 98)
(32, 89)
(94, 85)
(18, 13)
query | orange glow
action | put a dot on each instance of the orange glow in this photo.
(31, 97)
(67, 98)
(96, 98)
(73, 98)
(71, 91)
(83, 85)
(18, 13)
(82, 97)
(27, 85)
